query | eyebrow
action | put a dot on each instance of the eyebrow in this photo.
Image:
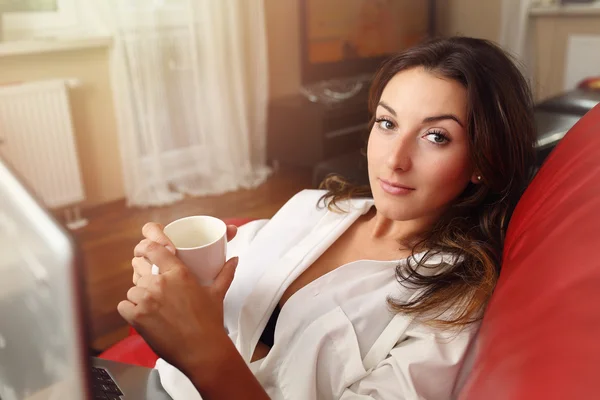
(433, 118)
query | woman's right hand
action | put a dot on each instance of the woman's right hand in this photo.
(154, 232)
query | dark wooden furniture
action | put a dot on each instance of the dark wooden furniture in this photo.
(302, 133)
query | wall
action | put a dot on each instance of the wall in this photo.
(93, 114)
(283, 42)
(551, 35)
(476, 18)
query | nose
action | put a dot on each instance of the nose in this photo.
(400, 152)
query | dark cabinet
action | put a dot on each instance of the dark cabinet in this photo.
(302, 133)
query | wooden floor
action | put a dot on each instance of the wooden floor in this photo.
(107, 242)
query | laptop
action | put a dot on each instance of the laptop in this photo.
(43, 340)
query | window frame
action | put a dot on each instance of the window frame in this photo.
(23, 25)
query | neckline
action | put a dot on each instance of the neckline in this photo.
(360, 206)
(336, 270)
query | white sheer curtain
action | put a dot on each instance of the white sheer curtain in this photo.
(515, 35)
(190, 85)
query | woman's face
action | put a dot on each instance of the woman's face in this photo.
(418, 152)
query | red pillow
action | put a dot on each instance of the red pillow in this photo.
(540, 337)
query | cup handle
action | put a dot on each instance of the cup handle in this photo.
(155, 270)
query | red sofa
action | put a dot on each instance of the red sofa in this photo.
(540, 337)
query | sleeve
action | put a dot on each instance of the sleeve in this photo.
(423, 366)
(245, 234)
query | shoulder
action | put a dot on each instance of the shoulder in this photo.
(308, 198)
(299, 213)
(296, 219)
(306, 207)
(301, 208)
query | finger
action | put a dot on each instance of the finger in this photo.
(127, 310)
(231, 232)
(144, 281)
(141, 266)
(136, 294)
(157, 254)
(155, 232)
(138, 250)
(223, 280)
(136, 278)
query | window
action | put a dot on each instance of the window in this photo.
(30, 18)
(25, 19)
(28, 5)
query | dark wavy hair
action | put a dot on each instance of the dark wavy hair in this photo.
(501, 137)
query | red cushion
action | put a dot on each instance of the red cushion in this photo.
(133, 349)
(540, 337)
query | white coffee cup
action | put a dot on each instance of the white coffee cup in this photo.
(201, 243)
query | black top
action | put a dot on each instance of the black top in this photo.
(268, 335)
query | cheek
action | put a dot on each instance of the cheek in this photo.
(449, 175)
(373, 153)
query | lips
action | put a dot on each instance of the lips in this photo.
(395, 188)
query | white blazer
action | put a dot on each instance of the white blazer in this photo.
(335, 338)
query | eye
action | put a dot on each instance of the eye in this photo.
(437, 137)
(385, 124)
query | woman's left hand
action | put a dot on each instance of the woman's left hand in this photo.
(181, 320)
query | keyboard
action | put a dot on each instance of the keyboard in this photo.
(103, 386)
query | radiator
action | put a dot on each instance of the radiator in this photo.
(37, 139)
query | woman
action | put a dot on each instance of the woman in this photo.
(378, 294)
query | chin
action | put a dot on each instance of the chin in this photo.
(395, 209)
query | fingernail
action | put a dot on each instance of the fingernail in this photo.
(171, 248)
(235, 261)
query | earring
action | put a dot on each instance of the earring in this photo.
(479, 177)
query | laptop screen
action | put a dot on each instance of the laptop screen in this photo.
(42, 347)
